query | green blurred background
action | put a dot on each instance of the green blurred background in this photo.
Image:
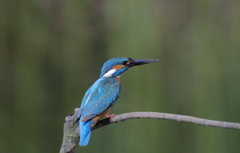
(51, 52)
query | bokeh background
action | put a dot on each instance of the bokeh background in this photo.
(51, 52)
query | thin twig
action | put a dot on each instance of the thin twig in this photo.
(71, 133)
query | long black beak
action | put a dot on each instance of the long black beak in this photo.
(143, 61)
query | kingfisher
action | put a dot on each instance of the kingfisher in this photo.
(102, 95)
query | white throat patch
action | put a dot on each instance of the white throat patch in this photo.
(109, 73)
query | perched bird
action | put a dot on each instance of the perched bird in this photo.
(102, 95)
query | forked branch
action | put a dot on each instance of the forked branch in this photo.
(71, 132)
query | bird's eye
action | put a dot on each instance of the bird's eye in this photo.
(125, 62)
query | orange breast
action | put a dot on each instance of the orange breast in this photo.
(102, 115)
(118, 79)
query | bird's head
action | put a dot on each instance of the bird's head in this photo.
(117, 66)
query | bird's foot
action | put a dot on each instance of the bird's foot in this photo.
(110, 116)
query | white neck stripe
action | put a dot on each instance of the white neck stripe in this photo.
(109, 73)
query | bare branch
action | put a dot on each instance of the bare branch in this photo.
(175, 117)
(71, 133)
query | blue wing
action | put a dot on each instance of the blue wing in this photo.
(103, 93)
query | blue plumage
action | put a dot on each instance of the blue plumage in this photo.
(102, 95)
(85, 132)
(108, 65)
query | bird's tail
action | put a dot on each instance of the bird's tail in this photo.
(85, 132)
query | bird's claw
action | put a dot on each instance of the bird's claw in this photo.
(110, 116)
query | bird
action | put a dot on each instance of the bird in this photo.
(103, 94)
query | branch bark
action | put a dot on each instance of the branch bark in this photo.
(71, 132)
